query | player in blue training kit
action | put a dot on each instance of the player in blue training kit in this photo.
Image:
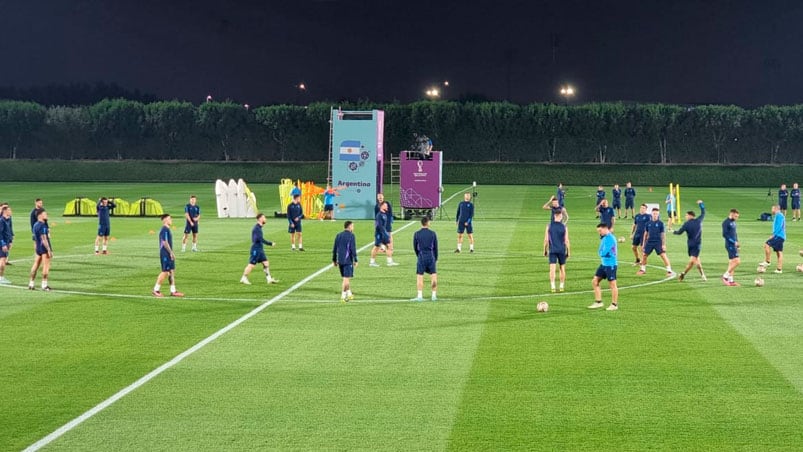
(600, 197)
(693, 227)
(655, 240)
(560, 195)
(5, 241)
(37, 208)
(295, 213)
(640, 221)
(732, 246)
(617, 200)
(554, 207)
(104, 224)
(192, 215)
(257, 254)
(44, 250)
(425, 245)
(344, 256)
(464, 219)
(607, 269)
(382, 237)
(167, 258)
(630, 199)
(380, 199)
(795, 194)
(606, 214)
(775, 242)
(10, 224)
(329, 203)
(783, 198)
(556, 249)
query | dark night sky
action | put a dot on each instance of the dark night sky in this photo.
(743, 52)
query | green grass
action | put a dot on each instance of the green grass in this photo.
(692, 365)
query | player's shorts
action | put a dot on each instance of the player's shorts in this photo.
(733, 252)
(257, 257)
(167, 263)
(426, 265)
(650, 247)
(346, 271)
(557, 258)
(617, 204)
(190, 228)
(606, 272)
(776, 243)
(629, 203)
(694, 251)
(782, 204)
(294, 227)
(104, 230)
(328, 207)
(381, 239)
(637, 239)
(463, 227)
(795, 203)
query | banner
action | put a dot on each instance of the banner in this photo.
(357, 156)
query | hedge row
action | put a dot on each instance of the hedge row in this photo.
(453, 173)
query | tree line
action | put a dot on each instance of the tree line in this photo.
(486, 131)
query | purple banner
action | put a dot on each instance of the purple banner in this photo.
(421, 180)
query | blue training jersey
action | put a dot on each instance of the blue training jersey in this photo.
(795, 193)
(381, 222)
(425, 244)
(329, 198)
(606, 215)
(294, 212)
(40, 234)
(617, 194)
(729, 232)
(389, 214)
(782, 196)
(607, 250)
(693, 229)
(344, 251)
(557, 237)
(560, 194)
(165, 235)
(641, 220)
(104, 212)
(630, 193)
(465, 212)
(257, 239)
(600, 195)
(5, 233)
(779, 225)
(193, 211)
(654, 229)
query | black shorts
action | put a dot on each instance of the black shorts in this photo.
(776, 243)
(650, 247)
(694, 251)
(628, 203)
(193, 228)
(557, 258)
(328, 207)
(463, 227)
(427, 265)
(733, 252)
(346, 271)
(606, 272)
(257, 257)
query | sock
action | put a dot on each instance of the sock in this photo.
(104, 247)
(96, 248)
(267, 274)
(195, 246)
(459, 246)
(669, 269)
(552, 285)
(561, 285)
(348, 293)
(373, 261)
(726, 275)
(471, 247)
(300, 245)
(390, 260)
(292, 246)
(434, 296)
(31, 284)
(44, 283)
(172, 288)
(157, 287)
(644, 268)
(183, 247)
(344, 295)
(420, 294)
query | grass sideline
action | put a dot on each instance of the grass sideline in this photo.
(687, 365)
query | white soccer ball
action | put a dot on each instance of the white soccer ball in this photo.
(542, 306)
(759, 282)
(801, 253)
(761, 269)
(799, 268)
(621, 240)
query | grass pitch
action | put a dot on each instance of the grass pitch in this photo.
(691, 365)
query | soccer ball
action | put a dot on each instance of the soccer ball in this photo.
(801, 253)
(759, 282)
(542, 306)
(621, 240)
(761, 269)
(799, 268)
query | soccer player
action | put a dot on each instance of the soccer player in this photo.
(795, 194)
(167, 258)
(344, 256)
(630, 200)
(732, 246)
(5, 241)
(295, 212)
(380, 198)
(192, 214)
(606, 214)
(640, 221)
(465, 215)
(382, 237)
(425, 244)
(37, 208)
(600, 197)
(329, 203)
(10, 224)
(560, 194)
(775, 242)
(693, 227)
(257, 255)
(783, 197)
(553, 205)
(655, 240)
(556, 248)
(44, 252)
(671, 208)
(606, 270)
(617, 200)
(104, 224)
(296, 191)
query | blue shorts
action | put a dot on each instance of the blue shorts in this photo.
(557, 258)
(629, 202)
(694, 251)
(650, 247)
(426, 265)
(733, 253)
(3, 253)
(294, 226)
(463, 227)
(776, 243)
(104, 230)
(617, 204)
(381, 239)
(606, 272)
(41, 251)
(346, 271)
(328, 207)
(782, 204)
(193, 228)
(795, 203)
(257, 257)
(638, 238)
(167, 263)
